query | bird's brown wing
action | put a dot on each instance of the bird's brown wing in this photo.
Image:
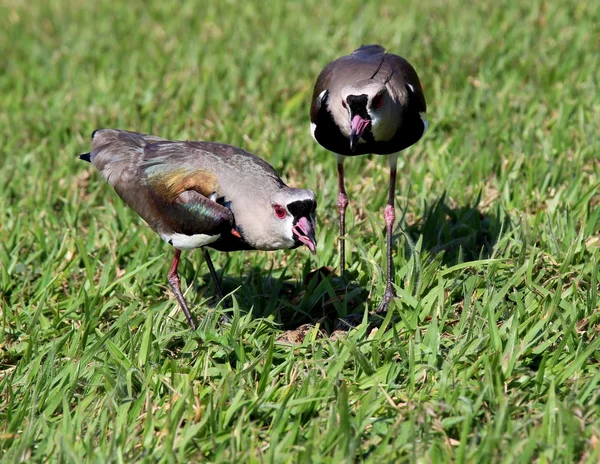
(183, 193)
(321, 86)
(399, 73)
(161, 182)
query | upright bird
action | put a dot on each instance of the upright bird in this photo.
(369, 101)
(203, 194)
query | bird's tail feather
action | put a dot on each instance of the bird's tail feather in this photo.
(86, 157)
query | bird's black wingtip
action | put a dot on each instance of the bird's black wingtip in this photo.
(85, 157)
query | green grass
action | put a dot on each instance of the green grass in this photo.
(491, 353)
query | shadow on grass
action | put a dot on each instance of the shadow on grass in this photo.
(321, 296)
(462, 233)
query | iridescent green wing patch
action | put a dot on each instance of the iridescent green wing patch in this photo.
(169, 183)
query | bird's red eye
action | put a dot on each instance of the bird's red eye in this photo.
(377, 101)
(280, 211)
(344, 104)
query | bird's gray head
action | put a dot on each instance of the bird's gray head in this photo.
(286, 220)
(367, 112)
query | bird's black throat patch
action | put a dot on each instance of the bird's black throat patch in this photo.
(358, 105)
(301, 208)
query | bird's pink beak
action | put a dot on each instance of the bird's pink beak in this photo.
(357, 127)
(305, 232)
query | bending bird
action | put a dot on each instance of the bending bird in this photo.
(204, 194)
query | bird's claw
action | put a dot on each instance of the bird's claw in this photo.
(388, 296)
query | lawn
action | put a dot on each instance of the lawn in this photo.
(490, 354)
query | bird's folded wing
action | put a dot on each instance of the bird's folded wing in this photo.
(169, 182)
(184, 197)
(164, 182)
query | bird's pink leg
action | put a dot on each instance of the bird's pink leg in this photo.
(342, 205)
(389, 215)
(175, 284)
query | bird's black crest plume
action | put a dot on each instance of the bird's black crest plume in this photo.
(85, 157)
(380, 65)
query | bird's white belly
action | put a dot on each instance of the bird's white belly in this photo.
(189, 242)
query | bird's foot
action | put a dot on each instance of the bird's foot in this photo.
(388, 296)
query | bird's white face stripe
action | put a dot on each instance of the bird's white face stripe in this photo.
(412, 89)
(425, 123)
